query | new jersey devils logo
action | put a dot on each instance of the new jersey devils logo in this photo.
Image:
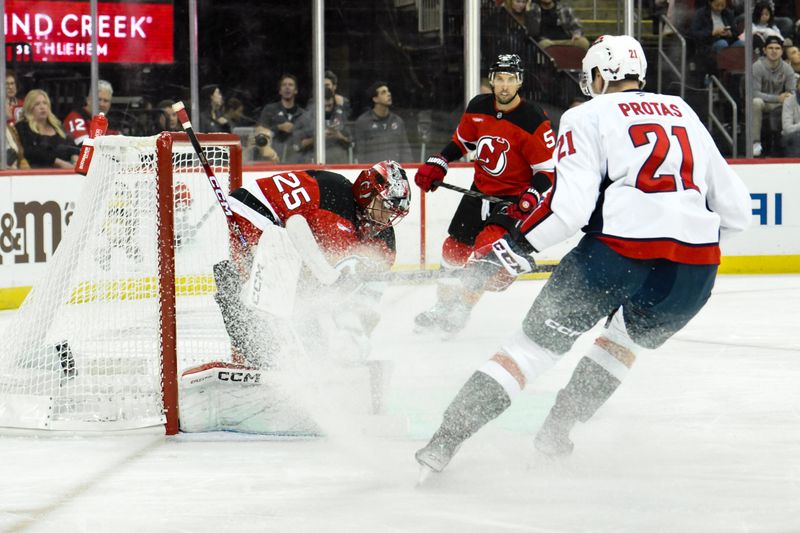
(490, 153)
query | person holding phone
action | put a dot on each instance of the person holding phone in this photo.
(712, 27)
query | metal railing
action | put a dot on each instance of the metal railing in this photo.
(662, 56)
(542, 81)
(714, 121)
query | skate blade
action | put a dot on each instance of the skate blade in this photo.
(424, 473)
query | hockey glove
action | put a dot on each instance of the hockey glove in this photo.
(433, 170)
(494, 267)
(352, 270)
(528, 200)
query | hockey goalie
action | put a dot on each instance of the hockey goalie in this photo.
(297, 302)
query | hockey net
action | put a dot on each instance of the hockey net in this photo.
(126, 302)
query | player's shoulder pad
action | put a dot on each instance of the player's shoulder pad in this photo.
(328, 176)
(483, 104)
(528, 116)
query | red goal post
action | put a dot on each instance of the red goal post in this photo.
(126, 302)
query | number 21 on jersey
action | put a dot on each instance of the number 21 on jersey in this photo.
(647, 179)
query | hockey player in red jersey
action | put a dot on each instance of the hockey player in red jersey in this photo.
(513, 144)
(642, 177)
(77, 122)
(338, 228)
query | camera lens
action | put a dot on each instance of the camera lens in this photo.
(261, 140)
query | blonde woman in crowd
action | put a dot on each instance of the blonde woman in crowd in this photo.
(43, 140)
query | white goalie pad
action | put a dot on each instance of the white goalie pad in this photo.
(272, 284)
(221, 396)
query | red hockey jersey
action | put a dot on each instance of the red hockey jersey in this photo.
(510, 146)
(323, 198)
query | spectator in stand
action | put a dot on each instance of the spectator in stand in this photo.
(13, 102)
(793, 58)
(43, 140)
(790, 119)
(550, 22)
(76, 123)
(234, 112)
(343, 102)
(166, 117)
(764, 25)
(280, 117)
(773, 83)
(212, 111)
(712, 28)
(259, 146)
(518, 9)
(380, 134)
(15, 155)
(337, 137)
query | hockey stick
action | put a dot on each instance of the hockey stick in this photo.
(195, 228)
(183, 116)
(474, 194)
(412, 276)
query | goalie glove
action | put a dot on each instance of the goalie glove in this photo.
(433, 170)
(494, 267)
(351, 272)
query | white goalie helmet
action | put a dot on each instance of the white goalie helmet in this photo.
(616, 57)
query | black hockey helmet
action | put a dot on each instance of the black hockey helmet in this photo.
(510, 63)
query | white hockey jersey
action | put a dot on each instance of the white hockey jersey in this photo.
(641, 173)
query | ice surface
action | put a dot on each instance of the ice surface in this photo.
(704, 436)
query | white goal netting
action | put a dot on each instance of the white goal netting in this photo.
(84, 352)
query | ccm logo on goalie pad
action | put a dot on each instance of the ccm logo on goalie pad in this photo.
(239, 377)
(513, 263)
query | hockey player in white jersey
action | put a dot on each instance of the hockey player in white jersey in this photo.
(641, 176)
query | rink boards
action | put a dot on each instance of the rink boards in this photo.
(36, 208)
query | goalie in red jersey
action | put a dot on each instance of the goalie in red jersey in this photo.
(513, 143)
(332, 230)
(312, 237)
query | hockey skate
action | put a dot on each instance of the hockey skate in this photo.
(443, 317)
(553, 438)
(437, 453)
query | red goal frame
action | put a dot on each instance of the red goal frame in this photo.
(166, 267)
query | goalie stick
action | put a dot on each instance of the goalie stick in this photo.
(222, 199)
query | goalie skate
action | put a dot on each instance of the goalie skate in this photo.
(443, 319)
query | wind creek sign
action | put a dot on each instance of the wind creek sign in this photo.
(60, 31)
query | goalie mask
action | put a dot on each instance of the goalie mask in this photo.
(383, 194)
(507, 63)
(616, 57)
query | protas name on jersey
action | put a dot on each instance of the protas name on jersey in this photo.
(509, 146)
(641, 173)
(323, 198)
